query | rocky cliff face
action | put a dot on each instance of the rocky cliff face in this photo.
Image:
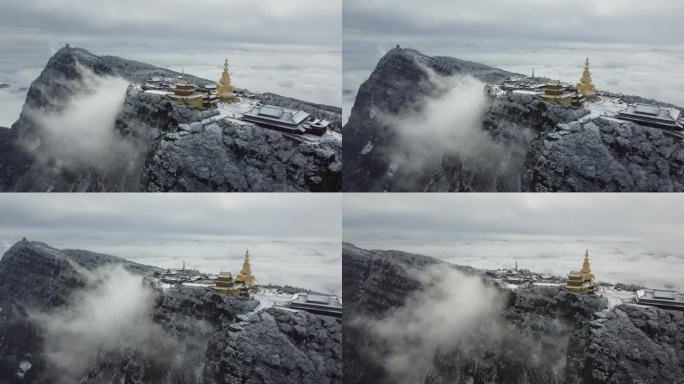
(150, 150)
(540, 147)
(191, 336)
(541, 335)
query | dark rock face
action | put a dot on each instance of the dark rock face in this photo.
(227, 157)
(604, 155)
(542, 147)
(203, 337)
(278, 347)
(206, 160)
(543, 335)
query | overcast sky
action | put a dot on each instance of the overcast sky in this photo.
(294, 238)
(586, 21)
(181, 23)
(633, 237)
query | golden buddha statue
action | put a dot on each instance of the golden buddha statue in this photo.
(581, 281)
(585, 87)
(223, 88)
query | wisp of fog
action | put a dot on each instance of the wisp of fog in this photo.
(112, 312)
(80, 131)
(459, 318)
(446, 122)
(437, 316)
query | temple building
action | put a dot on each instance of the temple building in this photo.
(242, 285)
(581, 281)
(224, 90)
(663, 298)
(185, 93)
(245, 276)
(226, 285)
(282, 119)
(556, 93)
(585, 87)
(286, 120)
(317, 303)
(654, 116)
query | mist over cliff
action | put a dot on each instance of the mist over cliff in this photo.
(78, 316)
(412, 318)
(537, 147)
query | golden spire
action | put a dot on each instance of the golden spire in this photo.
(223, 88)
(585, 266)
(586, 75)
(245, 274)
(585, 86)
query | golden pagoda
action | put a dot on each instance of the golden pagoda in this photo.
(185, 93)
(245, 276)
(581, 281)
(226, 285)
(223, 88)
(585, 87)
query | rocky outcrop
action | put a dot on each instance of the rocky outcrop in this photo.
(277, 347)
(540, 147)
(606, 156)
(195, 335)
(155, 154)
(225, 156)
(541, 335)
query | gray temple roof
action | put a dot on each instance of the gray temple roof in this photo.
(275, 115)
(316, 300)
(653, 112)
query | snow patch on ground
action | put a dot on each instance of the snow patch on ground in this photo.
(367, 148)
(24, 367)
(525, 92)
(198, 285)
(616, 297)
(548, 284)
(232, 111)
(604, 107)
(269, 298)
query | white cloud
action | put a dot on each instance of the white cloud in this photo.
(111, 313)
(82, 130)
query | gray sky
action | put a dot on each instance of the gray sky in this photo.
(294, 238)
(633, 237)
(180, 23)
(607, 21)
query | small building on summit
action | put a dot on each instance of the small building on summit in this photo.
(581, 281)
(242, 285)
(653, 116)
(556, 93)
(663, 298)
(317, 303)
(186, 93)
(585, 87)
(225, 285)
